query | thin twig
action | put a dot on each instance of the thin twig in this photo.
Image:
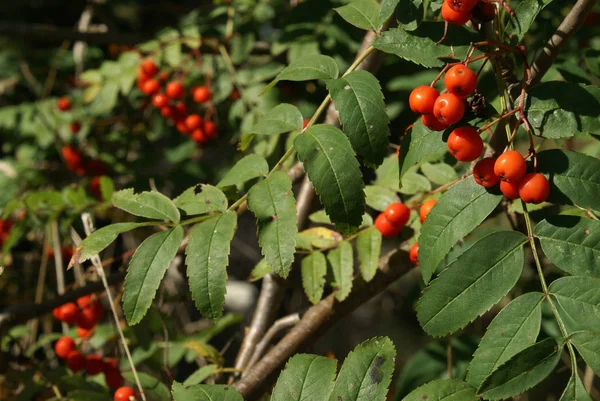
(39, 290)
(58, 265)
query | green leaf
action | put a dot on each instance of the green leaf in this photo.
(412, 14)
(305, 377)
(443, 390)
(413, 183)
(440, 173)
(241, 47)
(366, 373)
(558, 109)
(207, 256)
(154, 388)
(331, 166)
(472, 284)
(106, 99)
(152, 205)
(247, 168)
(146, 270)
(515, 328)
(575, 390)
(107, 188)
(314, 269)
(574, 177)
(280, 119)
(572, 244)
(386, 10)
(419, 46)
(522, 371)
(260, 270)
(588, 345)
(519, 23)
(363, 14)
(379, 198)
(341, 261)
(172, 52)
(272, 202)
(306, 69)
(578, 301)
(204, 392)
(210, 199)
(102, 238)
(462, 208)
(200, 375)
(359, 100)
(418, 144)
(368, 247)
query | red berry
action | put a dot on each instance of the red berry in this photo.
(414, 254)
(461, 6)
(210, 129)
(85, 301)
(201, 94)
(163, 76)
(113, 378)
(397, 213)
(385, 227)
(534, 188)
(483, 172)
(124, 394)
(453, 17)
(166, 111)
(181, 127)
(111, 364)
(422, 99)
(72, 158)
(150, 87)
(69, 313)
(76, 361)
(174, 90)
(149, 68)
(510, 166)
(57, 313)
(160, 100)
(305, 123)
(142, 77)
(180, 111)
(94, 364)
(64, 346)
(449, 108)
(87, 318)
(465, 144)
(484, 11)
(96, 167)
(431, 122)
(235, 95)
(509, 189)
(193, 121)
(426, 208)
(460, 80)
(97, 310)
(75, 127)
(64, 104)
(84, 333)
(199, 136)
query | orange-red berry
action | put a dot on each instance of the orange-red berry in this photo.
(149, 68)
(449, 108)
(414, 253)
(510, 166)
(210, 129)
(201, 94)
(193, 121)
(84, 333)
(64, 104)
(461, 6)
(199, 136)
(160, 100)
(534, 188)
(75, 127)
(509, 189)
(166, 111)
(426, 209)
(453, 17)
(460, 80)
(465, 144)
(76, 361)
(113, 377)
(124, 394)
(483, 172)
(87, 318)
(64, 346)
(69, 313)
(94, 364)
(397, 213)
(422, 99)
(385, 227)
(174, 90)
(431, 122)
(150, 87)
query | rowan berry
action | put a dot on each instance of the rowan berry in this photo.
(150, 87)
(75, 127)
(124, 394)
(414, 253)
(113, 378)
(111, 364)
(431, 122)
(174, 90)
(449, 108)
(422, 99)
(87, 318)
(64, 104)
(426, 208)
(163, 76)
(193, 121)
(461, 6)
(85, 301)
(460, 80)
(166, 111)
(142, 76)
(84, 333)
(180, 111)
(210, 129)
(397, 213)
(57, 313)
(484, 11)
(199, 136)
(510, 166)
(69, 313)
(94, 364)
(483, 172)
(453, 17)
(235, 94)
(76, 361)
(534, 188)
(149, 68)
(95, 189)
(509, 189)
(385, 227)
(64, 346)
(465, 144)
(181, 127)
(201, 94)
(160, 100)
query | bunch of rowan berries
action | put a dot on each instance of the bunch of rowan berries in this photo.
(459, 12)
(170, 100)
(510, 171)
(64, 104)
(84, 313)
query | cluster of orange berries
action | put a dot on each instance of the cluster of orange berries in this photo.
(77, 163)
(510, 170)
(64, 104)
(459, 12)
(5, 227)
(85, 313)
(170, 104)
